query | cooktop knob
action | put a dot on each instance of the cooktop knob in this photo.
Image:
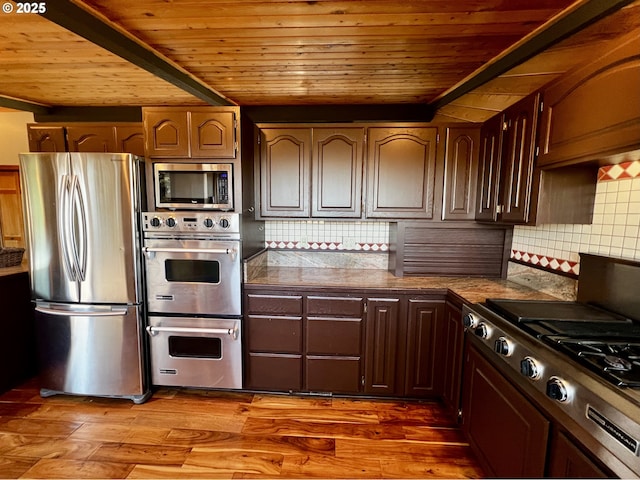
(529, 368)
(171, 222)
(557, 390)
(155, 222)
(224, 223)
(482, 330)
(470, 321)
(208, 223)
(502, 346)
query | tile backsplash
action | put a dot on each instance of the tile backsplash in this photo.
(614, 231)
(327, 235)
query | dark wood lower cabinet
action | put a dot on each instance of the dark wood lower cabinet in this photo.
(450, 357)
(423, 368)
(274, 372)
(382, 325)
(567, 460)
(505, 431)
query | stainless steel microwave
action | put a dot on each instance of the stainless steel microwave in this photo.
(193, 186)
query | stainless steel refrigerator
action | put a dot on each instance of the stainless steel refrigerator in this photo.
(82, 225)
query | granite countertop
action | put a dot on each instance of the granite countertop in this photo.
(470, 289)
(23, 267)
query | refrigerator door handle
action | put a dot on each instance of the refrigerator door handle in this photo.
(64, 232)
(114, 312)
(79, 229)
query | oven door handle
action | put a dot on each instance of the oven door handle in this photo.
(149, 251)
(153, 331)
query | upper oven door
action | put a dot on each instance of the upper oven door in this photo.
(196, 277)
(187, 186)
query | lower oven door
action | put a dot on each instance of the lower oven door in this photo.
(196, 352)
(196, 277)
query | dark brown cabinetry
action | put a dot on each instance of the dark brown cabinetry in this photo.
(506, 432)
(461, 173)
(450, 345)
(567, 460)
(488, 187)
(196, 132)
(593, 112)
(313, 172)
(87, 137)
(382, 329)
(401, 165)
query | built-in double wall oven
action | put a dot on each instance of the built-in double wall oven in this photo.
(192, 268)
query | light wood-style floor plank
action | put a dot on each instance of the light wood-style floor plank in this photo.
(187, 433)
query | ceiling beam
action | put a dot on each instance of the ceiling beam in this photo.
(16, 104)
(81, 22)
(582, 16)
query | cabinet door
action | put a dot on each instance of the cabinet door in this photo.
(505, 431)
(166, 133)
(130, 139)
(91, 138)
(401, 172)
(460, 173)
(568, 461)
(489, 169)
(11, 222)
(593, 112)
(46, 138)
(285, 160)
(337, 172)
(213, 134)
(381, 345)
(424, 323)
(450, 343)
(517, 159)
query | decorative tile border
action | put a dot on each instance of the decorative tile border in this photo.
(619, 171)
(294, 245)
(546, 262)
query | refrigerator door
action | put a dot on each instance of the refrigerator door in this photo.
(91, 350)
(46, 183)
(105, 205)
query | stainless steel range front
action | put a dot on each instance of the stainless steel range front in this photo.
(193, 281)
(580, 361)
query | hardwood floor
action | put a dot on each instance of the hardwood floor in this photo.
(182, 433)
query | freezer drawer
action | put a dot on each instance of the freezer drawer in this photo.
(92, 350)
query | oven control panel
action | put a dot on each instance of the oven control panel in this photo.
(191, 222)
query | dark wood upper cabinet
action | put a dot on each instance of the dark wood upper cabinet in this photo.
(84, 138)
(46, 138)
(213, 134)
(461, 173)
(130, 139)
(192, 132)
(285, 162)
(518, 159)
(166, 132)
(401, 172)
(336, 183)
(593, 112)
(488, 187)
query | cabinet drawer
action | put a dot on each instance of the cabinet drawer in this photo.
(334, 306)
(333, 374)
(333, 336)
(274, 372)
(274, 334)
(282, 304)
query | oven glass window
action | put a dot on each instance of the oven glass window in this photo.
(192, 271)
(195, 347)
(196, 188)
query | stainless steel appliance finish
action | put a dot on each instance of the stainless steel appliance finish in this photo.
(193, 186)
(193, 271)
(576, 360)
(196, 352)
(192, 263)
(82, 218)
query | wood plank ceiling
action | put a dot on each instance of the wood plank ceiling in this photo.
(297, 53)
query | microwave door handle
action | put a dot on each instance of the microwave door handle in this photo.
(213, 331)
